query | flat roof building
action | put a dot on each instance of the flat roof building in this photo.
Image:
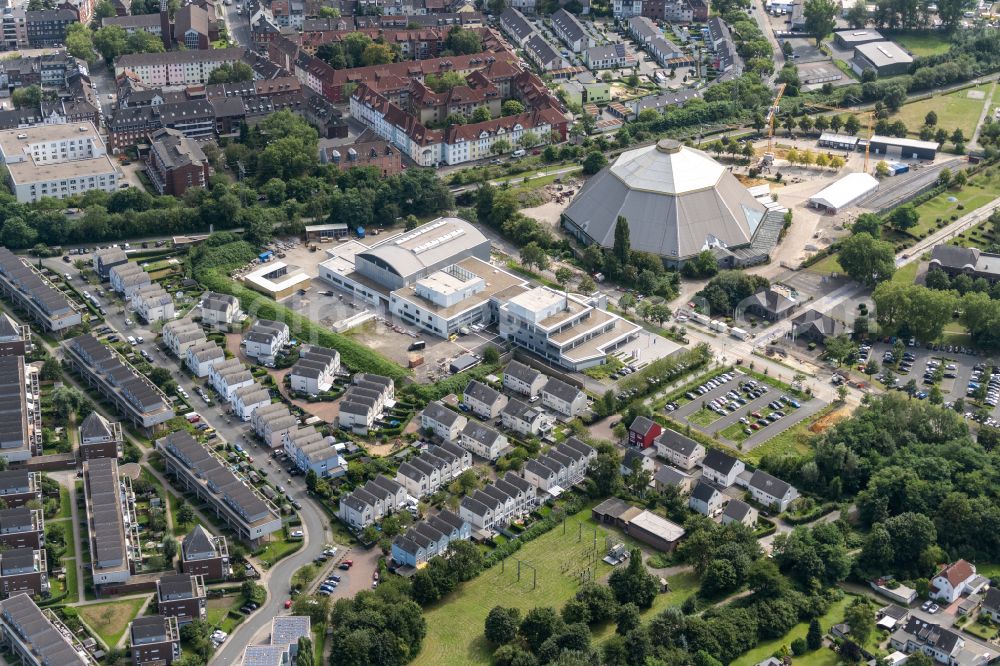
(885, 58)
(56, 161)
(28, 290)
(903, 148)
(234, 501)
(848, 39)
(38, 637)
(276, 279)
(137, 398)
(155, 641)
(111, 521)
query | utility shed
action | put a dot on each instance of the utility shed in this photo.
(844, 192)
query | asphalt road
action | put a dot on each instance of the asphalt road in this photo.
(314, 521)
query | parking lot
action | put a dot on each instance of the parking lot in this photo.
(742, 411)
(957, 373)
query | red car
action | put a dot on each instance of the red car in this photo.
(349, 563)
(288, 603)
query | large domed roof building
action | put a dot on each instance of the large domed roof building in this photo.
(678, 201)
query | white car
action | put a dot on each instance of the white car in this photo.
(128, 322)
(296, 534)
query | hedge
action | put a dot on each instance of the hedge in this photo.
(815, 514)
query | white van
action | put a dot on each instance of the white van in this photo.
(131, 340)
(518, 153)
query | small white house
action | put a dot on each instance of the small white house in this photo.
(563, 399)
(721, 469)
(443, 422)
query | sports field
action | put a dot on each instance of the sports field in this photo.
(562, 561)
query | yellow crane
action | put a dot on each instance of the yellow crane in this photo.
(771, 115)
(871, 124)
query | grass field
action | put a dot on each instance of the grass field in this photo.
(907, 274)
(826, 265)
(954, 110)
(682, 586)
(110, 620)
(923, 43)
(455, 625)
(978, 192)
(276, 549)
(65, 508)
(794, 440)
(703, 417)
(821, 657)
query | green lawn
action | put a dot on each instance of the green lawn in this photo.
(109, 621)
(954, 110)
(65, 508)
(923, 43)
(821, 657)
(907, 274)
(795, 440)
(826, 265)
(983, 631)
(455, 625)
(977, 193)
(682, 586)
(703, 417)
(217, 613)
(276, 549)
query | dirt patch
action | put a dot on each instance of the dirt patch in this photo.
(830, 420)
(327, 411)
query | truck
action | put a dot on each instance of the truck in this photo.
(739, 333)
(360, 232)
(717, 325)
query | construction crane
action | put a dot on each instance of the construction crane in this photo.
(871, 123)
(771, 114)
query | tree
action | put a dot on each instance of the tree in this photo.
(491, 355)
(719, 579)
(944, 176)
(539, 624)
(532, 254)
(586, 285)
(144, 42)
(634, 583)
(852, 125)
(814, 637)
(169, 550)
(628, 619)
(950, 12)
(251, 591)
(111, 41)
(904, 217)
(27, 97)
(480, 114)
(931, 118)
(304, 652)
(234, 73)
(444, 82)
(79, 42)
(500, 146)
(461, 41)
(594, 162)
(528, 139)
(511, 107)
(860, 616)
(377, 54)
(868, 223)
(857, 15)
(563, 275)
(702, 265)
(501, 625)
(622, 247)
(961, 178)
(512, 654)
(866, 259)
(882, 169)
(185, 513)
